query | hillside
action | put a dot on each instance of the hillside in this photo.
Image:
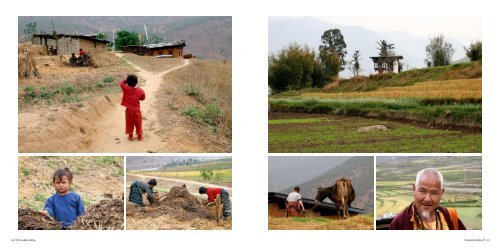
(287, 171)
(358, 169)
(206, 37)
(162, 162)
(465, 70)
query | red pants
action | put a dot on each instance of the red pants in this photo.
(133, 118)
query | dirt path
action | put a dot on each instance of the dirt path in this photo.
(99, 125)
(111, 137)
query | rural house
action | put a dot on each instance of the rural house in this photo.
(172, 49)
(276, 203)
(385, 64)
(70, 43)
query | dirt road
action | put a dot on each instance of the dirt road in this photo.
(99, 126)
(111, 138)
(192, 186)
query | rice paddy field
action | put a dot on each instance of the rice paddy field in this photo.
(462, 178)
(302, 132)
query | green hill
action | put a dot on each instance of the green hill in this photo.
(358, 169)
(465, 70)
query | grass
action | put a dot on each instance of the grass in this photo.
(339, 134)
(358, 222)
(209, 83)
(452, 91)
(468, 70)
(410, 109)
(209, 114)
(66, 93)
(227, 175)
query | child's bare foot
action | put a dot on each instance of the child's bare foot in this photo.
(139, 137)
(130, 137)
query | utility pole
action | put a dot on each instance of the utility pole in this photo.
(146, 30)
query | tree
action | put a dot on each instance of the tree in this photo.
(125, 38)
(330, 63)
(354, 65)
(439, 52)
(294, 67)
(385, 48)
(29, 30)
(475, 51)
(101, 36)
(332, 52)
(155, 39)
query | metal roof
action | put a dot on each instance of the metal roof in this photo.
(386, 57)
(180, 43)
(86, 37)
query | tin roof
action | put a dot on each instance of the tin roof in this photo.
(86, 37)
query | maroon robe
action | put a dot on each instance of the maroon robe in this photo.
(403, 220)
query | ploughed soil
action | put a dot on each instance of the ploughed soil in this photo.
(105, 215)
(178, 203)
(28, 219)
(177, 209)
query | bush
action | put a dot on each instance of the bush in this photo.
(192, 90)
(45, 93)
(211, 114)
(29, 93)
(108, 79)
(66, 89)
(295, 67)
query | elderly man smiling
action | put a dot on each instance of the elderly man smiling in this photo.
(424, 213)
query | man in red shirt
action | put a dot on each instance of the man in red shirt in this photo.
(131, 100)
(224, 195)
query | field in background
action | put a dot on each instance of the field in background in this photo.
(435, 109)
(463, 90)
(93, 177)
(462, 178)
(219, 173)
(332, 133)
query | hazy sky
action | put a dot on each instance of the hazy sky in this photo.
(464, 29)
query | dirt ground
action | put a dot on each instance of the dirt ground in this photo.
(177, 209)
(97, 124)
(105, 215)
(104, 208)
(359, 222)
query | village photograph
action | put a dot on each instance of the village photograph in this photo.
(124, 84)
(429, 192)
(377, 84)
(70, 193)
(320, 193)
(179, 193)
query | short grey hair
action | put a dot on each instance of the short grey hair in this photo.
(431, 171)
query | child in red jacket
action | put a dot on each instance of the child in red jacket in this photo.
(130, 100)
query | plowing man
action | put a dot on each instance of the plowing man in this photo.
(138, 188)
(224, 195)
(295, 205)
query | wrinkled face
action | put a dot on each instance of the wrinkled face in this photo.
(62, 184)
(321, 194)
(427, 194)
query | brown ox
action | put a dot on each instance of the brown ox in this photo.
(342, 193)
